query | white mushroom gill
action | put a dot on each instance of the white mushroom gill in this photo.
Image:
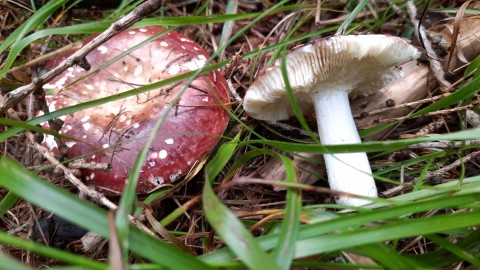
(323, 74)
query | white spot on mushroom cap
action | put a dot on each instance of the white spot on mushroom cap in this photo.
(85, 118)
(175, 176)
(137, 71)
(125, 68)
(131, 32)
(106, 145)
(169, 141)
(102, 49)
(162, 154)
(70, 144)
(205, 99)
(136, 125)
(193, 64)
(174, 69)
(86, 126)
(163, 44)
(51, 106)
(61, 82)
(160, 180)
(143, 30)
(89, 86)
(184, 39)
(122, 118)
(49, 141)
(156, 180)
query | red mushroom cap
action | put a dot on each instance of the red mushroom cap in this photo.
(115, 132)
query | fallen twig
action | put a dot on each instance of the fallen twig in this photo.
(141, 11)
(429, 175)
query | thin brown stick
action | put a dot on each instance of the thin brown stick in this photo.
(436, 113)
(84, 190)
(429, 175)
(48, 56)
(14, 97)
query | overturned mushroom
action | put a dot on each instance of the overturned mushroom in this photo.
(114, 132)
(324, 74)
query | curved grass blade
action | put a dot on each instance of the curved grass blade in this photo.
(26, 126)
(284, 253)
(455, 249)
(33, 22)
(87, 215)
(401, 229)
(7, 202)
(411, 206)
(343, 27)
(232, 231)
(388, 257)
(9, 263)
(57, 254)
(442, 257)
(89, 104)
(377, 146)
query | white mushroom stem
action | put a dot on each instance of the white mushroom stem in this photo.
(347, 172)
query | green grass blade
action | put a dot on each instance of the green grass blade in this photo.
(59, 255)
(472, 68)
(469, 134)
(461, 253)
(284, 253)
(89, 104)
(388, 257)
(33, 22)
(232, 231)
(405, 228)
(291, 97)
(360, 6)
(464, 92)
(87, 215)
(442, 257)
(26, 126)
(410, 206)
(9, 263)
(232, 7)
(7, 202)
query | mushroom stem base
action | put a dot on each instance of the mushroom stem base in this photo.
(347, 172)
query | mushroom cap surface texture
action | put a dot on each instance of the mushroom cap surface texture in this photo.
(359, 64)
(115, 132)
